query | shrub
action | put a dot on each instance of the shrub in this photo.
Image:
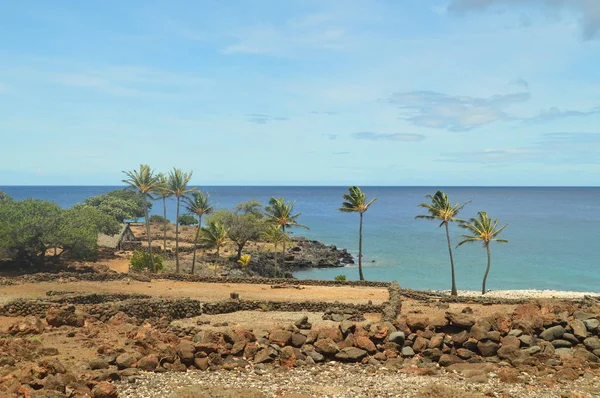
(140, 261)
(187, 219)
(157, 219)
(341, 277)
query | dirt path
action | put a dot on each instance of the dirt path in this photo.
(202, 291)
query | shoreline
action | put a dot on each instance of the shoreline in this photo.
(524, 293)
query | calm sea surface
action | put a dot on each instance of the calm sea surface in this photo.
(553, 232)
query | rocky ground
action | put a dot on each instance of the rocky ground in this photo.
(133, 338)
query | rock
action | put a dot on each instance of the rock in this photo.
(417, 322)
(510, 352)
(488, 348)
(448, 359)
(125, 361)
(347, 327)
(508, 375)
(579, 328)
(478, 332)
(494, 336)
(560, 343)
(582, 315)
(350, 354)
(463, 321)
(185, 351)
(303, 323)
(510, 340)
(436, 341)
(408, 352)
(287, 357)
(460, 338)
(397, 337)
(298, 339)
(327, 347)
(201, 363)
(563, 352)
(420, 344)
(463, 353)
(526, 340)
(315, 356)
(592, 343)
(199, 391)
(265, 355)
(67, 315)
(366, 344)
(6, 360)
(515, 332)
(148, 363)
(56, 383)
(104, 390)
(553, 333)
(591, 324)
(280, 337)
(379, 331)
(29, 325)
(98, 363)
(532, 350)
(471, 344)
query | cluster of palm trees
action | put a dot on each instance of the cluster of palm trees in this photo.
(279, 214)
(482, 228)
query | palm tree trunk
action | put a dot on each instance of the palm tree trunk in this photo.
(164, 227)
(454, 291)
(196, 243)
(487, 270)
(360, 271)
(177, 238)
(217, 262)
(152, 267)
(282, 255)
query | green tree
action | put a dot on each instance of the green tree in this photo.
(198, 204)
(483, 229)
(4, 198)
(442, 210)
(120, 204)
(250, 207)
(187, 220)
(213, 236)
(178, 181)
(273, 234)
(279, 212)
(162, 191)
(241, 227)
(145, 182)
(355, 201)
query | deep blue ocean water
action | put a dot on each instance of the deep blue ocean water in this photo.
(553, 232)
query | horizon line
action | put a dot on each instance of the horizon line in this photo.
(323, 186)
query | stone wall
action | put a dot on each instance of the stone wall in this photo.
(229, 306)
(269, 281)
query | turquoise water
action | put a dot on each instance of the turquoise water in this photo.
(553, 233)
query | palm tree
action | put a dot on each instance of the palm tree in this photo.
(144, 181)
(273, 234)
(483, 229)
(213, 237)
(178, 181)
(441, 209)
(279, 212)
(163, 192)
(356, 202)
(198, 205)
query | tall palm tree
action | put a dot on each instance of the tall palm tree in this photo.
(162, 191)
(355, 201)
(483, 229)
(198, 205)
(273, 234)
(441, 209)
(279, 212)
(144, 181)
(213, 236)
(178, 181)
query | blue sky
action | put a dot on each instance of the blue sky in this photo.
(448, 92)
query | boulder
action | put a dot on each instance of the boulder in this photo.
(463, 353)
(201, 363)
(488, 348)
(265, 355)
(327, 347)
(408, 352)
(347, 327)
(105, 390)
(98, 363)
(148, 363)
(185, 351)
(592, 343)
(287, 357)
(460, 338)
(478, 332)
(29, 325)
(510, 341)
(463, 321)
(68, 315)
(298, 339)
(350, 354)
(125, 361)
(303, 323)
(420, 344)
(448, 359)
(553, 333)
(591, 324)
(397, 337)
(280, 337)
(510, 352)
(579, 328)
(560, 343)
(366, 344)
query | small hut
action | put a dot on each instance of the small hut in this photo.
(114, 242)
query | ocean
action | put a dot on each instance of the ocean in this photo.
(553, 232)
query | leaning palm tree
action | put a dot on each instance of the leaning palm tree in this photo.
(213, 236)
(483, 229)
(356, 202)
(178, 181)
(162, 191)
(144, 181)
(279, 212)
(198, 205)
(442, 210)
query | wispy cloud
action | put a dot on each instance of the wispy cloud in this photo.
(453, 112)
(331, 136)
(552, 148)
(556, 113)
(260, 118)
(588, 10)
(367, 135)
(520, 83)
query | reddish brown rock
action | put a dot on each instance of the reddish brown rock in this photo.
(105, 390)
(366, 344)
(287, 357)
(148, 363)
(29, 325)
(327, 347)
(420, 344)
(280, 337)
